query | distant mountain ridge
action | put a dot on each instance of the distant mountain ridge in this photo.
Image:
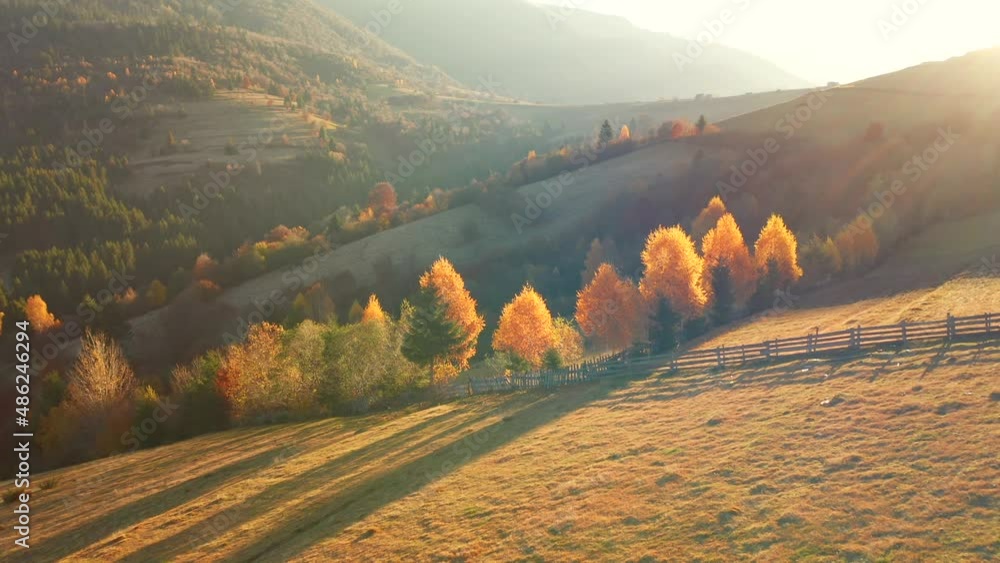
(545, 54)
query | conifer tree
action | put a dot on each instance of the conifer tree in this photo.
(430, 336)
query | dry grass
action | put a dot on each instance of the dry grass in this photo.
(721, 466)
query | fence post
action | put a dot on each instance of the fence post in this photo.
(989, 328)
(902, 327)
(718, 356)
(951, 327)
(767, 349)
(743, 353)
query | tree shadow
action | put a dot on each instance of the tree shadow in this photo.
(167, 499)
(354, 500)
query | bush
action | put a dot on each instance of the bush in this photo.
(364, 366)
(201, 408)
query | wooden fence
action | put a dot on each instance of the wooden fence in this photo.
(632, 362)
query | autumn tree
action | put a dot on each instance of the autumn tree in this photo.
(569, 341)
(673, 271)
(101, 377)
(858, 245)
(256, 377)
(610, 309)
(708, 218)
(449, 286)
(156, 294)
(373, 311)
(430, 337)
(526, 328)
(36, 311)
(777, 245)
(724, 246)
(382, 199)
(355, 313)
(600, 252)
(820, 259)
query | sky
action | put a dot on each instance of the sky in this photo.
(822, 41)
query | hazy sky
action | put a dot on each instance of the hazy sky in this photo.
(840, 40)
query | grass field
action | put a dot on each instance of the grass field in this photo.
(882, 457)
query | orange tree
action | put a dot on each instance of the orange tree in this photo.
(610, 309)
(526, 328)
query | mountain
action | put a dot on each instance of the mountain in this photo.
(544, 54)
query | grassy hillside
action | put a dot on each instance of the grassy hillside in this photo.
(879, 457)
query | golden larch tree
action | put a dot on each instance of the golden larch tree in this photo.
(858, 245)
(708, 217)
(673, 271)
(373, 311)
(777, 244)
(625, 133)
(461, 307)
(36, 310)
(610, 309)
(724, 245)
(526, 327)
(569, 341)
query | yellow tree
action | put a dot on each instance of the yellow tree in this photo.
(724, 245)
(776, 244)
(610, 309)
(526, 327)
(373, 311)
(36, 310)
(459, 304)
(673, 271)
(569, 341)
(625, 133)
(708, 217)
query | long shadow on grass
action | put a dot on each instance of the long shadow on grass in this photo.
(203, 530)
(136, 511)
(331, 514)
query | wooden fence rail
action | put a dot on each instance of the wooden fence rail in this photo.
(632, 361)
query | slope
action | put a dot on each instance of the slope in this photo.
(737, 464)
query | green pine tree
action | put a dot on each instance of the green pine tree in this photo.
(607, 133)
(663, 329)
(769, 283)
(429, 335)
(724, 301)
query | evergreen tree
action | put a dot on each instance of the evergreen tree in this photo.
(769, 283)
(701, 124)
(607, 133)
(552, 360)
(430, 336)
(663, 328)
(722, 288)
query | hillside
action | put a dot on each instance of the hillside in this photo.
(528, 54)
(737, 464)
